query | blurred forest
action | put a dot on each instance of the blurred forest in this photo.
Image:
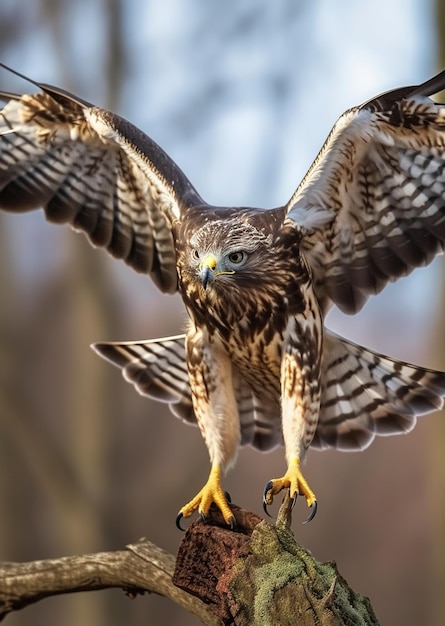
(241, 95)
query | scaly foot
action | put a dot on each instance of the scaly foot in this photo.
(212, 492)
(297, 485)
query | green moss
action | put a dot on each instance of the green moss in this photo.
(279, 583)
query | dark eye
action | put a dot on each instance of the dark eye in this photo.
(195, 254)
(237, 257)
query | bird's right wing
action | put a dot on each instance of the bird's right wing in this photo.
(97, 172)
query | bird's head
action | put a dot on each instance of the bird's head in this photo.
(243, 264)
(226, 253)
(227, 263)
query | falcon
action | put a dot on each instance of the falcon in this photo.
(256, 365)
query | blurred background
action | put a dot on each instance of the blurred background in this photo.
(241, 94)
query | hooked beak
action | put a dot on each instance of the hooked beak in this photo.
(207, 270)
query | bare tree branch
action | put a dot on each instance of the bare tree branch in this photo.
(140, 568)
(256, 576)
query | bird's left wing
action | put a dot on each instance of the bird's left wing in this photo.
(97, 172)
(372, 206)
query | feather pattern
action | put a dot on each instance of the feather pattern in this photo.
(364, 394)
(375, 196)
(158, 369)
(256, 365)
(97, 172)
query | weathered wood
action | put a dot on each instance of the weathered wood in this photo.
(257, 575)
(260, 576)
(141, 567)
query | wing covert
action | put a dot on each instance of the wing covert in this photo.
(373, 202)
(97, 172)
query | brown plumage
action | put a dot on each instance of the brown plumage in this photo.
(256, 365)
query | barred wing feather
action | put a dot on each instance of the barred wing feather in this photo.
(373, 202)
(94, 170)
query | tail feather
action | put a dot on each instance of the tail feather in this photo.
(157, 368)
(365, 394)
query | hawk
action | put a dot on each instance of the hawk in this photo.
(256, 365)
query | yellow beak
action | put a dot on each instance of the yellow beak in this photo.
(208, 262)
(207, 269)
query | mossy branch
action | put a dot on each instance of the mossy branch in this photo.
(256, 576)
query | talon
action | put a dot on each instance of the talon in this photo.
(266, 501)
(297, 485)
(178, 522)
(232, 523)
(265, 509)
(211, 493)
(313, 512)
(228, 498)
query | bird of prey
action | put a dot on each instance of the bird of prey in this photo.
(256, 365)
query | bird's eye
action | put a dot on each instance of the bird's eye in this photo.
(195, 254)
(237, 257)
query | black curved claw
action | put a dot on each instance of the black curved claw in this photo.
(267, 488)
(228, 498)
(294, 500)
(203, 518)
(178, 522)
(232, 523)
(313, 508)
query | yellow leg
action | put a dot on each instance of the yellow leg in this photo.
(297, 485)
(212, 492)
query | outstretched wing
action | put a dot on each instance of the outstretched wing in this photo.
(94, 170)
(373, 202)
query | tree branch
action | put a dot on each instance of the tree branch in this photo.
(260, 576)
(256, 576)
(141, 567)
